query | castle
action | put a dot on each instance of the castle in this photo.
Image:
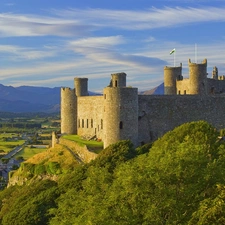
(121, 113)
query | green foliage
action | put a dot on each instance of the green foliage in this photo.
(29, 205)
(179, 179)
(143, 149)
(39, 169)
(115, 154)
(53, 168)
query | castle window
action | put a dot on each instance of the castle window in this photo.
(101, 123)
(78, 123)
(91, 123)
(178, 92)
(87, 123)
(116, 83)
(185, 92)
(121, 125)
(82, 123)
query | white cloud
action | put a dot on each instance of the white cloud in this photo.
(144, 19)
(17, 52)
(75, 22)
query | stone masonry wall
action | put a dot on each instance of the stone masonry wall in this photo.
(90, 116)
(159, 114)
(82, 151)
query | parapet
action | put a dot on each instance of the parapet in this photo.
(204, 62)
(172, 67)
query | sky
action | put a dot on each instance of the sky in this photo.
(48, 43)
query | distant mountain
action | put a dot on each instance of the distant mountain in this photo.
(42, 99)
(30, 99)
(159, 90)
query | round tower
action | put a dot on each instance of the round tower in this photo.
(198, 77)
(81, 86)
(118, 79)
(120, 114)
(68, 111)
(171, 75)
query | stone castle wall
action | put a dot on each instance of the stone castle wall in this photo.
(90, 116)
(82, 151)
(183, 87)
(160, 114)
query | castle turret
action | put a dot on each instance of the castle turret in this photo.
(68, 111)
(118, 79)
(198, 78)
(120, 111)
(171, 75)
(215, 73)
(81, 86)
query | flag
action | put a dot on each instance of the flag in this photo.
(172, 51)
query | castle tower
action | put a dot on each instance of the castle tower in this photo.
(215, 73)
(118, 79)
(120, 111)
(171, 75)
(68, 111)
(198, 78)
(81, 86)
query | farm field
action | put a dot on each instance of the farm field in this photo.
(28, 152)
(8, 142)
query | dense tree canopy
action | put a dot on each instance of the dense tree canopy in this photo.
(179, 179)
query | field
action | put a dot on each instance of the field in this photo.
(8, 142)
(27, 152)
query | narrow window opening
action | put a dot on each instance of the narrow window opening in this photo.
(87, 123)
(82, 123)
(101, 123)
(185, 92)
(121, 125)
(78, 123)
(116, 83)
(91, 123)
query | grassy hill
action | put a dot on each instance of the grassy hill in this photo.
(179, 179)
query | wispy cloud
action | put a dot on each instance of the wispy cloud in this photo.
(34, 25)
(17, 52)
(144, 19)
(75, 22)
(102, 49)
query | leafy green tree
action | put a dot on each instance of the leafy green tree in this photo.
(29, 205)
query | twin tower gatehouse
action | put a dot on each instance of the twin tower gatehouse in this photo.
(120, 113)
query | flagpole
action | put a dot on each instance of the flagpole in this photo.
(174, 59)
(195, 53)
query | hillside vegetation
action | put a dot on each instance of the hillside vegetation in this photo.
(179, 179)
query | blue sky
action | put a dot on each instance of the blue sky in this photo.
(48, 43)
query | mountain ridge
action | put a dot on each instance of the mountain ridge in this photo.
(41, 99)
